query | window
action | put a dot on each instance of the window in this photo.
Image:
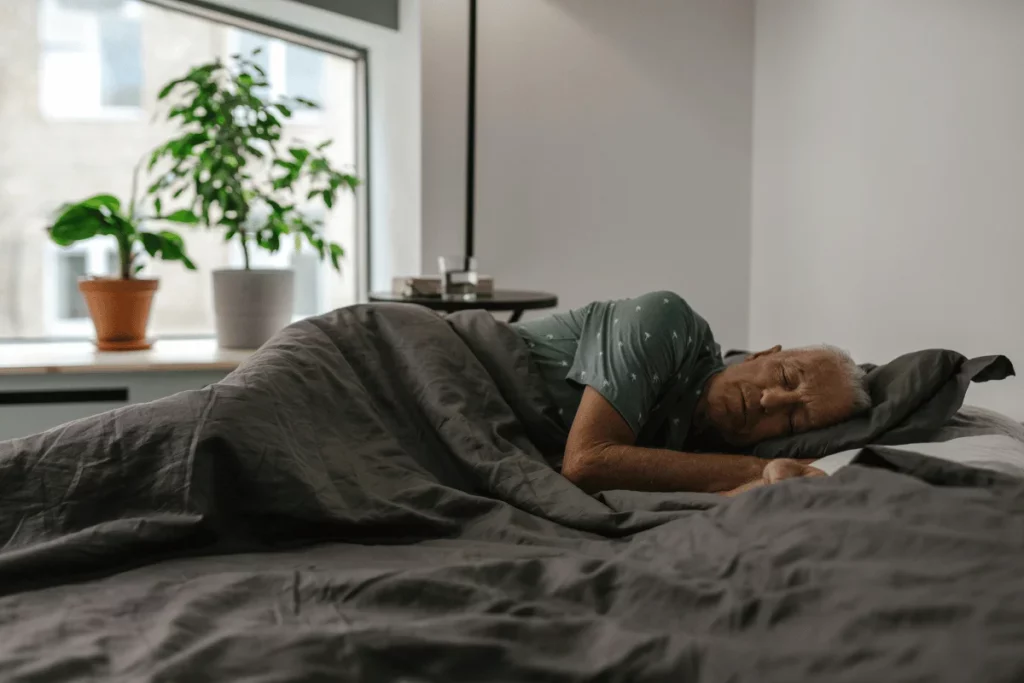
(91, 61)
(98, 60)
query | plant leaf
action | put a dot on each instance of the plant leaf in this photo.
(328, 199)
(151, 243)
(67, 233)
(83, 221)
(112, 203)
(336, 253)
(182, 216)
(155, 157)
(166, 90)
(167, 246)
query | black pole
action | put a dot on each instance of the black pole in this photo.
(471, 131)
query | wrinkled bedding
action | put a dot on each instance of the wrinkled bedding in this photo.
(368, 498)
(996, 452)
(975, 437)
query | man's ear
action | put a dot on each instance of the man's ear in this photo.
(766, 352)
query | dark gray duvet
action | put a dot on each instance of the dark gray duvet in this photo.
(368, 499)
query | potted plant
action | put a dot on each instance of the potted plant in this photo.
(237, 174)
(119, 305)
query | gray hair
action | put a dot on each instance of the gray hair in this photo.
(855, 375)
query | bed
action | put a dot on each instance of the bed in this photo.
(339, 509)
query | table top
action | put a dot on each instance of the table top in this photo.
(167, 355)
(499, 300)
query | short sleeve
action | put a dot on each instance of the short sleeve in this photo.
(630, 351)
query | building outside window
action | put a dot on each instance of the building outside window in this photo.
(91, 59)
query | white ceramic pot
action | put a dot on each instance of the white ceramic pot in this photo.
(251, 305)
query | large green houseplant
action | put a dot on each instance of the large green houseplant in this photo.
(119, 305)
(233, 169)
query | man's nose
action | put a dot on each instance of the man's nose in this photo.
(773, 400)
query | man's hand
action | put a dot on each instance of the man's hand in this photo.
(784, 468)
(779, 470)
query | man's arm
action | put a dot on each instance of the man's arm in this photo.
(600, 455)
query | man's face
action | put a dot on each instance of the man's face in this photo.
(776, 393)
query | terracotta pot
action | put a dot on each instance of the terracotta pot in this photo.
(119, 311)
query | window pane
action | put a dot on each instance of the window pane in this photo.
(120, 61)
(70, 304)
(307, 283)
(303, 71)
(248, 43)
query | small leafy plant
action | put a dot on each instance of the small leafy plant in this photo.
(103, 214)
(230, 163)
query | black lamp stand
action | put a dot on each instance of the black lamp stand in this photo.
(471, 132)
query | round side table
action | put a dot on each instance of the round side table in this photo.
(512, 300)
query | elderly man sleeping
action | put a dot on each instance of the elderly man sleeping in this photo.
(650, 405)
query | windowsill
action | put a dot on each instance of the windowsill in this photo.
(112, 115)
(168, 355)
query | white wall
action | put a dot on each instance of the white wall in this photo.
(395, 144)
(614, 147)
(888, 199)
(444, 70)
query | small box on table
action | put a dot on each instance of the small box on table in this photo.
(425, 285)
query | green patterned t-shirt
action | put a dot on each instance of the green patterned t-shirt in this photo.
(649, 357)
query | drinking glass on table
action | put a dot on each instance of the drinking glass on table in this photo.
(459, 277)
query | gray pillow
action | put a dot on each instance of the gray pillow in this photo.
(912, 397)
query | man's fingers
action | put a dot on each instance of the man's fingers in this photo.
(784, 468)
(781, 469)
